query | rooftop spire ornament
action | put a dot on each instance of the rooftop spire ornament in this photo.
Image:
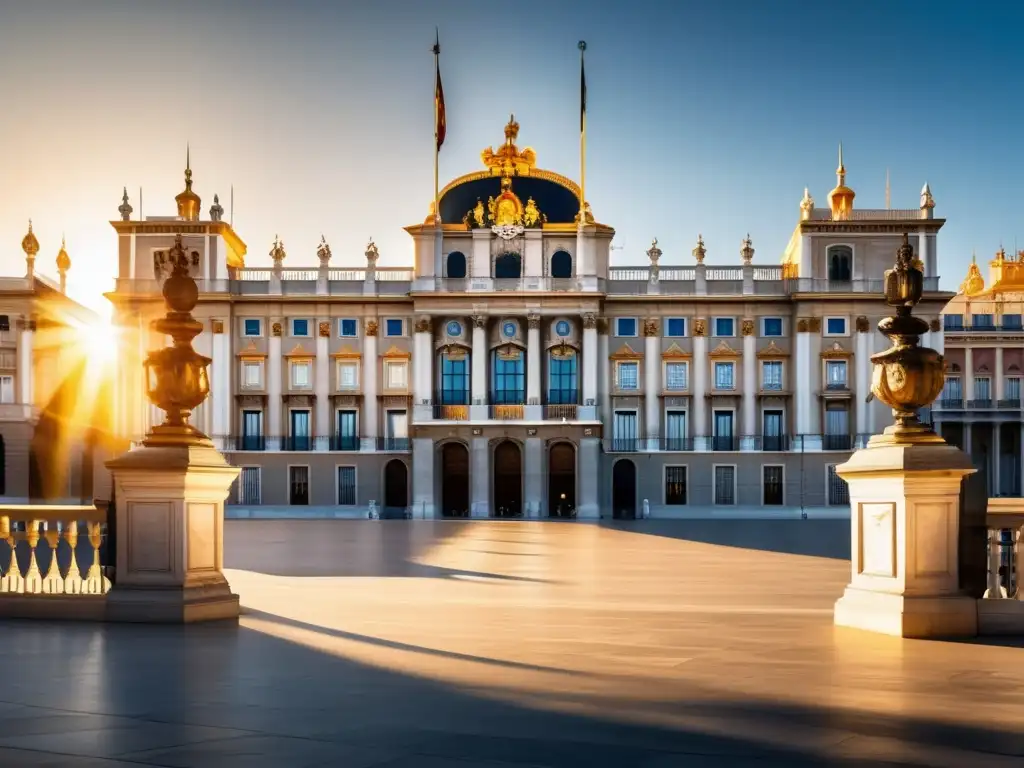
(907, 376)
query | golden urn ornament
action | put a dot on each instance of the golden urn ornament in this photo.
(177, 380)
(907, 376)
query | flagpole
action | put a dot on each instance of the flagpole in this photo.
(437, 149)
(583, 137)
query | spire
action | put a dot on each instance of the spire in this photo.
(63, 264)
(806, 205)
(125, 209)
(30, 246)
(927, 202)
(841, 170)
(188, 201)
(841, 198)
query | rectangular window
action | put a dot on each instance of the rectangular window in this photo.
(249, 486)
(953, 322)
(838, 491)
(396, 430)
(1012, 322)
(347, 438)
(771, 485)
(725, 485)
(1013, 388)
(301, 378)
(298, 485)
(394, 326)
(722, 438)
(725, 326)
(348, 375)
(629, 375)
(771, 375)
(252, 374)
(837, 427)
(346, 486)
(835, 374)
(675, 486)
(300, 327)
(772, 326)
(624, 433)
(953, 389)
(675, 431)
(982, 322)
(675, 326)
(252, 430)
(773, 436)
(835, 326)
(724, 378)
(625, 326)
(396, 374)
(6, 389)
(347, 327)
(677, 376)
(982, 388)
(251, 326)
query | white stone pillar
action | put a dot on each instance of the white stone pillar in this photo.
(589, 473)
(423, 361)
(996, 470)
(589, 360)
(748, 440)
(438, 252)
(423, 478)
(999, 376)
(479, 360)
(26, 372)
(802, 385)
(533, 258)
(862, 382)
(322, 387)
(922, 252)
(275, 365)
(220, 384)
(533, 465)
(699, 385)
(370, 427)
(604, 390)
(533, 360)
(481, 254)
(968, 373)
(582, 257)
(652, 375)
(480, 477)
(806, 267)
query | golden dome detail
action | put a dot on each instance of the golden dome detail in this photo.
(189, 203)
(63, 260)
(840, 199)
(29, 244)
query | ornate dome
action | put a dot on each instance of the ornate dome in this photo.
(841, 198)
(63, 260)
(189, 203)
(29, 244)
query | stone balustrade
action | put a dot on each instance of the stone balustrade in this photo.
(1005, 553)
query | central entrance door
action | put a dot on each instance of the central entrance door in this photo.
(508, 480)
(396, 489)
(454, 480)
(562, 480)
(624, 490)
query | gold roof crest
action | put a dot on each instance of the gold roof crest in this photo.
(974, 283)
(508, 160)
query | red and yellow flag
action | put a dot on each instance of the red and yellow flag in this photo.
(441, 124)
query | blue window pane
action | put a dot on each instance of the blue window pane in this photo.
(773, 326)
(252, 327)
(563, 384)
(1012, 322)
(300, 327)
(836, 325)
(348, 327)
(723, 326)
(954, 322)
(676, 326)
(394, 327)
(625, 326)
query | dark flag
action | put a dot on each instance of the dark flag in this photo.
(583, 89)
(440, 127)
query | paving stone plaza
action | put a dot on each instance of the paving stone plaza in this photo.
(448, 645)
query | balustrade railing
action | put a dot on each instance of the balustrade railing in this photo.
(771, 442)
(394, 444)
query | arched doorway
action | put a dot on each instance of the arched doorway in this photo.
(561, 264)
(396, 489)
(454, 480)
(508, 480)
(624, 490)
(562, 480)
(456, 265)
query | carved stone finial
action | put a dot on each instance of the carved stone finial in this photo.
(125, 208)
(747, 250)
(700, 251)
(29, 243)
(651, 327)
(927, 201)
(372, 254)
(747, 327)
(216, 210)
(806, 205)
(277, 252)
(654, 253)
(323, 252)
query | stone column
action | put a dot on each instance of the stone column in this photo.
(589, 368)
(369, 371)
(589, 471)
(996, 488)
(699, 385)
(480, 258)
(26, 373)
(604, 389)
(423, 478)
(652, 375)
(220, 384)
(275, 364)
(479, 362)
(533, 461)
(999, 376)
(802, 383)
(322, 387)
(423, 360)
(534, 367)
(862, 382)
(748, 441)
(968, 373)
(480, 474)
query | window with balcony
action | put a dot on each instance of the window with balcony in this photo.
(1012, 389)
(301, 374)
(394, 326)
(252, 431)
(627, 376)
(723, 438)
(396, 374)
(840, 263)
(252, 374)
(625, 326)
(298, 486)
(348, 375)
(454, 372)
(563, 383)
(249, 486)
(624, 431)
(346, 436)
(982, 322)
(1011, 322)
(835, 326)
(837, 427)
(725, 485)
(835, 374)
(300, 327)
(773, 432)
(346, 486)
(771, 375)
(6, 389)
(772, 477)
(675, 431)
(508, 376)
(677, 376)
(675, 486)
(725, 326)
(952, 390)
(725, 376)
(953, 322)
(347, 327)
(251, 326)
(396, 430)
(982, 391)
(300, 437)
(675, 326)
(771, 326)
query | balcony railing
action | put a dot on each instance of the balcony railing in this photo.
(837, 386)
(837, 442)
(451, 412)
(298, 443)
(983, 327)
(249, 442)
(506, 412)
(771, 442)
(725, 443)
(675, 444)
(345, 443)
(984, 402)
(394, 444)
(950, 404)
(1010, 404)
(624, 444)
(560, 412)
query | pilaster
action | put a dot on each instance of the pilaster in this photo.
(26, 372)
(533, 259)
(479, 362)
(220, 383)
(750, 430)
(589, 359)
(968, 373)
(652, 372)
(423, 360)
(423, 478)
(275, 365)
(999, 376)
(604, 390)
(534, 482)
(533, 360)
(589, 472)
(480, 477)
(862, 380)
(481, 255)
(369, 366)
(322, 383)
(802, 385)
(700, 384)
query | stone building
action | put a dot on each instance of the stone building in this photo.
(513, 370)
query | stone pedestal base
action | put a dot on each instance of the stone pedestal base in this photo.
(904, 616)
(170, 535)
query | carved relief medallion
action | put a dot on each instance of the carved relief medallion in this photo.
(371, 327)
(801, 325)
(934, 325)
(275, 329)
(863, 326)
(650, 327)
(747, 327)
(422, 325)
(325, 329)
(700, 327)
(217, 326)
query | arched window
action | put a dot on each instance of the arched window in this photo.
(456, 265)
(840, 263)
(508, 266)
(561, 264)
(563, 384)
(508, 376)
(454, 377)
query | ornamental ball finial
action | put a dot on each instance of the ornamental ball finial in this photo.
(582, 45)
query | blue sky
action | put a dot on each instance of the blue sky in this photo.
(702, 117)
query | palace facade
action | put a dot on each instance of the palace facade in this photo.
(513, 370)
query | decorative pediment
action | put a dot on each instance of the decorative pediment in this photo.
(723, 350)
(299, 351)
(347, 353)
(675, 352)
(395, 352)
(772, 352)
(836, 351)
(625, 353)
(251, 352)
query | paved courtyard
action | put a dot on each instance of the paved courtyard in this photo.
(449, 645)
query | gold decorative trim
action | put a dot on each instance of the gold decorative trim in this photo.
(772, 352)
(814, 323)
(395, 352)
(347, 353)
(836, 351)
(251, 352)
(625, 353)
(675, 352)
(300, 351)
(723, 350)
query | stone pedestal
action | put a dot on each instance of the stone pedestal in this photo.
(905, 506)
(170, 536)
